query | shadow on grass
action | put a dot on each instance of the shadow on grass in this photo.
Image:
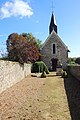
(72, 88)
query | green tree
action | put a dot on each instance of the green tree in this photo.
(71, 60)
(30, 37)
(77, 60)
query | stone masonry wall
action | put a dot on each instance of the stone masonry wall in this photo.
(75, 71)
(11, 73)
(61, 51)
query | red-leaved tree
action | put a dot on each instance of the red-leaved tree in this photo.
(20, 48)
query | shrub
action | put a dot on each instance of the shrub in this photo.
(43, 75)
(39, 66)
(77, 60)
(71, 61)
(64, 74)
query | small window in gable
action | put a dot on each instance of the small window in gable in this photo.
(54, 49)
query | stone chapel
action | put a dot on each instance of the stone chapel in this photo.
(54, 50)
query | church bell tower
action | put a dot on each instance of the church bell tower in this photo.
(53, 25)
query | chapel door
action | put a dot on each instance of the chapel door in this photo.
(54, 64)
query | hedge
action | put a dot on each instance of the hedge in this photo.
(39, 66)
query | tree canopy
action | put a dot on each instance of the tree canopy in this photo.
(77, 60)
(22, 48)
(30, 37)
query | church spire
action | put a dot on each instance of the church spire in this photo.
(53, 25)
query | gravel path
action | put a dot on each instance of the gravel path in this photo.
(35, 99)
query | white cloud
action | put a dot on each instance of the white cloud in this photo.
(15, 8)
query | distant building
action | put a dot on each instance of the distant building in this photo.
(54, 50)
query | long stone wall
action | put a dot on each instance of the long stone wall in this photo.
(11, 73)
(75, 70)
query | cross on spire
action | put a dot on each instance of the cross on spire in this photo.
(52, 6)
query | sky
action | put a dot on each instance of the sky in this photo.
(33, 16)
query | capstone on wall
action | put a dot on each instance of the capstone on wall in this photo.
(11, 73)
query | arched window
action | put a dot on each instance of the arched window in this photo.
(54, 48)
